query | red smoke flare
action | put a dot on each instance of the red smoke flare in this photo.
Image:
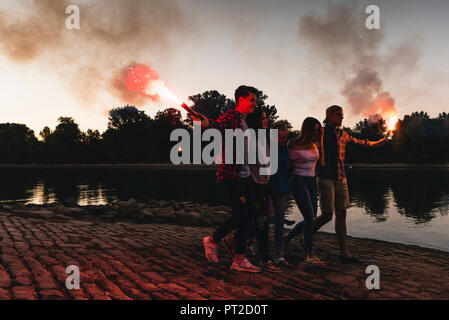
(137, 83)
(138, 78)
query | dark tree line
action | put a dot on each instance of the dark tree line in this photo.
(131, 137)
(134, 137)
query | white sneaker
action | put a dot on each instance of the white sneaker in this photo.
(244, 265)
(210, 248)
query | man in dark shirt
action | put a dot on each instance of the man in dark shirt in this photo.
(334, 196)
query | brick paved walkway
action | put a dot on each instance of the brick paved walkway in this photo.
(159, 261)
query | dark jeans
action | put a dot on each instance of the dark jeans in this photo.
(277, 203)
(259, 225)
(304, 191)
(241, 213)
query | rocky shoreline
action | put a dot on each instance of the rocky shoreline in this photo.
(183, 213)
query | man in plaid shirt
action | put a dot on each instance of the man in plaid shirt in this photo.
(237, 178)
(334, 196)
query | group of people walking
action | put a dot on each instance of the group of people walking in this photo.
(316, 156)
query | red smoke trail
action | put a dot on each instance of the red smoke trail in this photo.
(139, 80)
(139, 77)
(136, 83)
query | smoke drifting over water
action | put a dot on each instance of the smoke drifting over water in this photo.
(113, 33)
(341, 42)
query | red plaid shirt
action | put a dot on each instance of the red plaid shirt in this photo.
(231, 119)
(335, 141)
(342, 140)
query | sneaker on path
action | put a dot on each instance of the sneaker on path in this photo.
(244, 265)
(210, 248)
(315, 261)
(281, 262)
(271, 267)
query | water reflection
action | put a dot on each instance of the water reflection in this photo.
(418, 195)
(93, 196)
(107, 185)
(40, 194)
(371, 191)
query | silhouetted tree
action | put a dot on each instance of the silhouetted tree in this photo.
(45, 133)
(93, 150)
(211, 103)
(410, 138)
(128, 116)
(17, 144)
(164, 123)
(169, 118)
(63, 145)
(372, 129)
(444, 138)
(128, 136)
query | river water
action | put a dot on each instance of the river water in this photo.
(409, 206)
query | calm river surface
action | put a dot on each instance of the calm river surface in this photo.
(400, 205)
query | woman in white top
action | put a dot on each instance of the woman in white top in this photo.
(305, 153)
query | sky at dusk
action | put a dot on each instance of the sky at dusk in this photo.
(305, 55)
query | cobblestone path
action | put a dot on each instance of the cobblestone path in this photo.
(159, 261)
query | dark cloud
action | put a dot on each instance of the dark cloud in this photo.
(23, 39)
(112, 34)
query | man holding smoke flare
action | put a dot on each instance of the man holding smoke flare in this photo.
(238, 181)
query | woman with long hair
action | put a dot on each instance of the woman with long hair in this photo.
(305, 152)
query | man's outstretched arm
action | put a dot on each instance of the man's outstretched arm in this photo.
(200, 117)
(379, 143)
(368, 143)
(223, 122)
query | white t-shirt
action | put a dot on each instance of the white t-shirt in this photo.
(244, 169)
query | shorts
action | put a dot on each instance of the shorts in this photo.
(334, 195)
